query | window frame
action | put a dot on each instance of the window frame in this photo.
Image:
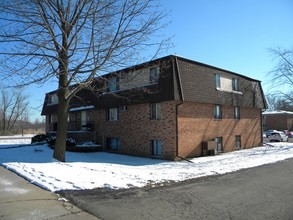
(156, 148)
(218, 81)
(219, 144)
(218, 112)
(236, 112)
(110, 141)
(154, 75)
(113, 112)
(235, 84)
(227, 84)
(237, 142)
(113, 84)
(155, 109)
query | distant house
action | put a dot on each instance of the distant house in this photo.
(277, 120)
(166, 108)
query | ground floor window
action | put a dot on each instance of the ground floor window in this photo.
(237, 142)
(156, 148)
(219, 143)
(113, 114)
(112, 143)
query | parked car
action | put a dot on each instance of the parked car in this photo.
(288, 133)
(278, 136)
(268, 133)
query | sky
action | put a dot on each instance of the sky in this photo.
(84, 171)
(231, 34)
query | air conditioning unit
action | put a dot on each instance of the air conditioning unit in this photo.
(122, 108)
(212, 145)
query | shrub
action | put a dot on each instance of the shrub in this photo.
(70, 142)
(39, 138)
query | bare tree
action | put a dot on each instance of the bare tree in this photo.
(282, 75)
(74, 41)
(13, 108)
(279, 103)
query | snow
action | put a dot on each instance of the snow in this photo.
(278, 112)
(81, 108)
(115, 171)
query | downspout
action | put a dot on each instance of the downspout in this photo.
(176, 75)
(265, 105)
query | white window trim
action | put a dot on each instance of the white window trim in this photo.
(237, 113)
(116, 117)
(220, 115)
(231, 91)
(158, 113)
(154, 79)
(155, 145)
(219, 88)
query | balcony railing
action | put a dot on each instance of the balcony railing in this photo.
(75, 126)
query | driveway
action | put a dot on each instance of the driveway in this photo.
(264, 192)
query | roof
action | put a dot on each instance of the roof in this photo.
(180, 79)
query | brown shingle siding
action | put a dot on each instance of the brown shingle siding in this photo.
(198, 82)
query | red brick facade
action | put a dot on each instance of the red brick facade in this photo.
(135, 129)
(196, 124)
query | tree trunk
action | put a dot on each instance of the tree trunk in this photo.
(61, 135)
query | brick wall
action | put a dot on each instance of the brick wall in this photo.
(197, 124)
(279, 122)
(135, 129)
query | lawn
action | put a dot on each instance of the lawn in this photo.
(114, 171)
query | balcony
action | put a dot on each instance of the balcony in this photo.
(75, 126)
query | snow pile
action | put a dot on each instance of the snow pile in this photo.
(100, 169)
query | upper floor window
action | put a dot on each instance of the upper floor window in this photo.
(236, 112)
(112, 114)
(235, 85)
(155, 111)
(113, 84)
(53, 99)
(225, 83)
(218, 112)
(154, 74)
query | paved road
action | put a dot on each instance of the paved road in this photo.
(264, 192)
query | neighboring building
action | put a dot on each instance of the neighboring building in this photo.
(277, 120)
(166, 108)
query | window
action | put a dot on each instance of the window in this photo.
(236, 112)
(235, 85)
(113, 143)
(156, 148)
(228, 84)
(113, 84)
(219, 143)
(155, 111)
(52, 99)
(122, 108)
(218, 81)
(154, 74)
(237, 142)
(113, 114)
(218, 112)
